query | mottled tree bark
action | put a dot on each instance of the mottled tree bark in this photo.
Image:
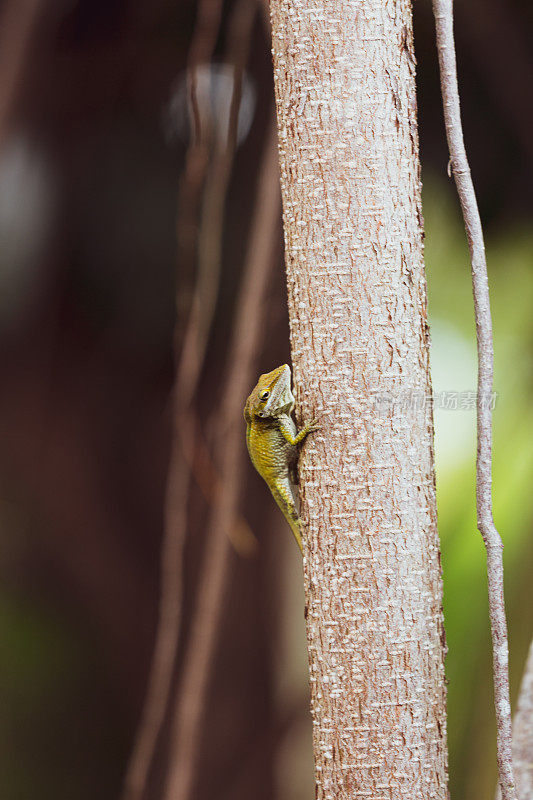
(345, 91)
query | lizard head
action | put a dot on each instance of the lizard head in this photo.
(272, 395)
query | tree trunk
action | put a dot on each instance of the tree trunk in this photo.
(345, 92)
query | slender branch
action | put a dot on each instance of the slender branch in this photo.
(209, 482)
(443, 10)
(228, 458)
(17, 25)
(190, 363)
(195, 341)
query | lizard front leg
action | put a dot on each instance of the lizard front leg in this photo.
(286, 429)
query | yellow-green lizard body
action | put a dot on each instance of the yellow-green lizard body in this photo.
(272, 439)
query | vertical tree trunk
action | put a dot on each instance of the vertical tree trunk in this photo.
(345, 92)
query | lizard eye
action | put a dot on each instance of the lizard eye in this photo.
(265, 395)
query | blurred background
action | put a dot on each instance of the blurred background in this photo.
(113, 208)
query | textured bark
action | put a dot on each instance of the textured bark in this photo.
(345, 92)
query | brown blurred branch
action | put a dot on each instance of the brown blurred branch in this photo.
(210, 484)
(443, 10)
(17, 24)
(191, 359)
(228, 458)
(187, 376)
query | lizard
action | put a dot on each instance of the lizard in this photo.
(272, 439)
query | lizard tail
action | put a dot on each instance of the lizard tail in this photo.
(283, 496)
(295, 528)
